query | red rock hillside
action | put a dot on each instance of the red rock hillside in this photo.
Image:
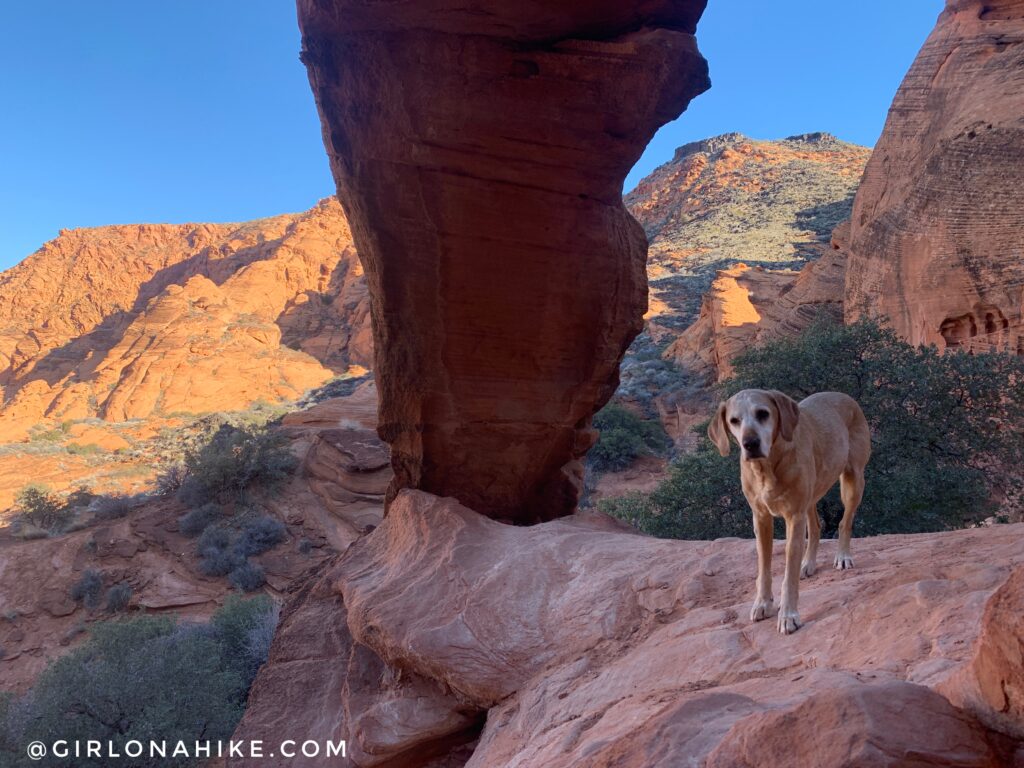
(480, 160)
(938, 225)
(138, 321)
(732, 199)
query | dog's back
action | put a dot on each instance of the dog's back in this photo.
(839, 433)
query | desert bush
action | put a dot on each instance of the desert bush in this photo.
(235, 458)
(624, 437)
(112, 507)
(216, 555)
(259, 535)
(141, 678)
(169, 480)
(118, 597)
(88, 588)
(80, 498)
(197, 520)
(42, 508)
(946, 432)
(247, 576)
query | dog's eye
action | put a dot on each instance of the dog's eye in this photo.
(734, 420)
(762, 415)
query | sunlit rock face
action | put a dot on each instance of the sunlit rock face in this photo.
(937, 234)
(479, 150)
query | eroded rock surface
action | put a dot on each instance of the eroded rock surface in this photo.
(140, 321)
(588, 644)
(480, 160)
(937, 223)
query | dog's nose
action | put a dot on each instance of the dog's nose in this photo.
(751, 443)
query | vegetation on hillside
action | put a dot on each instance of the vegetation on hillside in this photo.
(144, 678)
(947, 439)
(625, 436)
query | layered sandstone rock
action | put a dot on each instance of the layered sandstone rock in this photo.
(750, 305)
(128, 322)
(480, 160)
(587, 644)
(937, 225)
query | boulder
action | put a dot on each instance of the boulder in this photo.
(589, 644)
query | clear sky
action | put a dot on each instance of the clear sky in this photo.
(120, 111)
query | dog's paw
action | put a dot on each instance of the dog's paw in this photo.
(762, 609)
(843, 562)
(807, 569)
(789, 621)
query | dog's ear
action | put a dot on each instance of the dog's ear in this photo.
(789, 413)
(717, 431)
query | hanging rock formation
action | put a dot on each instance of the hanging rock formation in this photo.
(937, 233)
(479, 149)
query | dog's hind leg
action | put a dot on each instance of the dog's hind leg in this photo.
(810, 562)
(851, 488)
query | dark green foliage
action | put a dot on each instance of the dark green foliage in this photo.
(247, 576)
(259, 535)
(118, 597)
(946, 436)
(197, 520)
(624, 437)
(112, 507)
(216, 555)
(192, 493)
(140, 679)
(42, 508)
(88, 588)
(237, 457)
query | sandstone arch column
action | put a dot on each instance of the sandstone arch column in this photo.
(479, 148)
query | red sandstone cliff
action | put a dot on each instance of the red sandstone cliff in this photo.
(938, 224)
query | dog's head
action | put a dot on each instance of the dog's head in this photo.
(756, 418)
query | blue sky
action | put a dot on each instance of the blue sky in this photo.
(198, 110)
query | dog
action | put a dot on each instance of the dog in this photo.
(791, 456)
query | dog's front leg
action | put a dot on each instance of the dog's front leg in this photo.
(796, 530)
(763, 606)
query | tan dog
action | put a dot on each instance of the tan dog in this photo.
(792, 455)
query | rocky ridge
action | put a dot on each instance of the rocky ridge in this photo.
(142, 321)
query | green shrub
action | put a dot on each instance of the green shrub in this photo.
(118, 597)
(946, 436)
(624, 437)
(237, 457)
(247, 576)
(88, 588)
(142, 678)
(197, 520)
(216, 556)
(42, 508)
(112, 507)
(259, 535)
(169, 480)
